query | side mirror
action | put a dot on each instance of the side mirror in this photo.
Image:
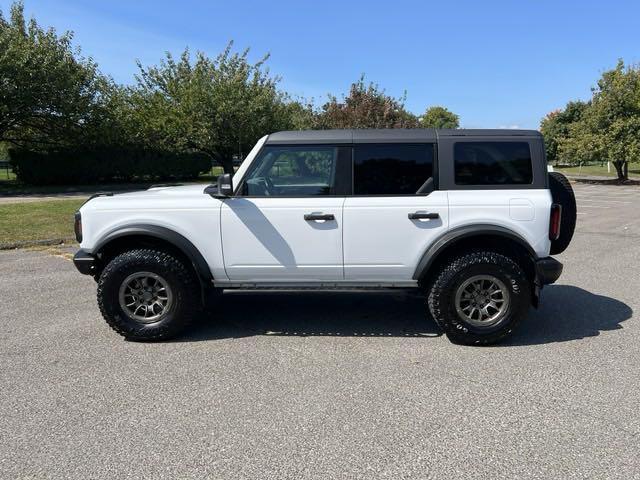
(225, 185)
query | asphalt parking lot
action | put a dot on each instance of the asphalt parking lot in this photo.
(330, 385)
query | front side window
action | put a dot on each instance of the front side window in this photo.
(391, 169)
(292, 171)
(492, 163)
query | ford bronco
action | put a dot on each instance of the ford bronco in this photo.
(468, 217)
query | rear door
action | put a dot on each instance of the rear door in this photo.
(285, 222)
(387, 224)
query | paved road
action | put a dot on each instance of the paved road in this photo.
(40, 198)
(330, 385)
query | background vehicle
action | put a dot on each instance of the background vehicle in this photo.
(468, 216)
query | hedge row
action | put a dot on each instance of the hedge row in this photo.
(105, 165)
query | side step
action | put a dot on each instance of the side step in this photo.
(315, 285)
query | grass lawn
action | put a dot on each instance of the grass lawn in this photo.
(7, 175)
(46, 220)
(634, 170)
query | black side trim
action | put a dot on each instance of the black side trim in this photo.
(548, 270)
(211, 190)
(161, 185)
(177, 240)
(84, 262)
(459, 233)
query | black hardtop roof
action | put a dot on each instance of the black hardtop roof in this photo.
(390, 135)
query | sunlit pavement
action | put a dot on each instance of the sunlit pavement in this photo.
(330, 385)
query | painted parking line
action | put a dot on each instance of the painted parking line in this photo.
(601, 200)
(607, 190)
(606, 199)
(612, 192)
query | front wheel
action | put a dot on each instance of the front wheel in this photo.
(147, 294)
(479, 298)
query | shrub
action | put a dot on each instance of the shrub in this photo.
(78, 166)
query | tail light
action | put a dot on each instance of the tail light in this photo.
(77, 226)
(554, 221)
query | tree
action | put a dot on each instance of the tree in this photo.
(555, 126)
(220, 107)
(47, 90)
(439, 117)
(366, 106)
(609, 128)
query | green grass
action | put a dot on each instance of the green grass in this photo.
(20, 222)
(634, 170)
(7, 175)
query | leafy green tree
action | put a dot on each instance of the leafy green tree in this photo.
(48, 92)
(219, 106)
(366, 106)
(609, 129)
(439, 117)
(298, 114)
(555, 126)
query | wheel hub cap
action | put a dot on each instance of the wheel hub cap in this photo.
(145, 297)
(482, 301)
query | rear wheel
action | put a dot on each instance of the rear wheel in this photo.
(147, 295)
(479, 298)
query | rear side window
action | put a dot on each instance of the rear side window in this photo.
(492, 163)
(391, 169)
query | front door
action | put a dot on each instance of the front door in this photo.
(285, 222)
(393, 215)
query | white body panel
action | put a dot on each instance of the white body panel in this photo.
(185, 210)
(525, 212)
(381, 243)
(268, 239)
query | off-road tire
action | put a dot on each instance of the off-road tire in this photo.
(562, 193)
(441, 296)
(181, 279)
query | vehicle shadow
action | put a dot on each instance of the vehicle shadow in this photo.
(569, 313)
(566, 313)
(316, 313)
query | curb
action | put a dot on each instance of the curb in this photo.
(35, 243)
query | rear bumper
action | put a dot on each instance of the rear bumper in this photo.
(84, 262)
(548, 270)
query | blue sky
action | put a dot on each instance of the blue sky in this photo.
(495, 63)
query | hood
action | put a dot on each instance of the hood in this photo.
(188, 196)
(182, 190)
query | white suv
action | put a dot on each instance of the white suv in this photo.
(469, 217)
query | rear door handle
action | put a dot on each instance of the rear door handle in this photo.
(423, 216)
(310, 217)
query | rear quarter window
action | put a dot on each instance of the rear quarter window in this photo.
(492, 163)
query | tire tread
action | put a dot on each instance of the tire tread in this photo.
(143, 258)
(438, 297)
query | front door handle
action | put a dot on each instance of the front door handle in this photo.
(310, 217)
(423, 216)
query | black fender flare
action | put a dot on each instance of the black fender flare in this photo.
(459, 233)
(166, 234)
